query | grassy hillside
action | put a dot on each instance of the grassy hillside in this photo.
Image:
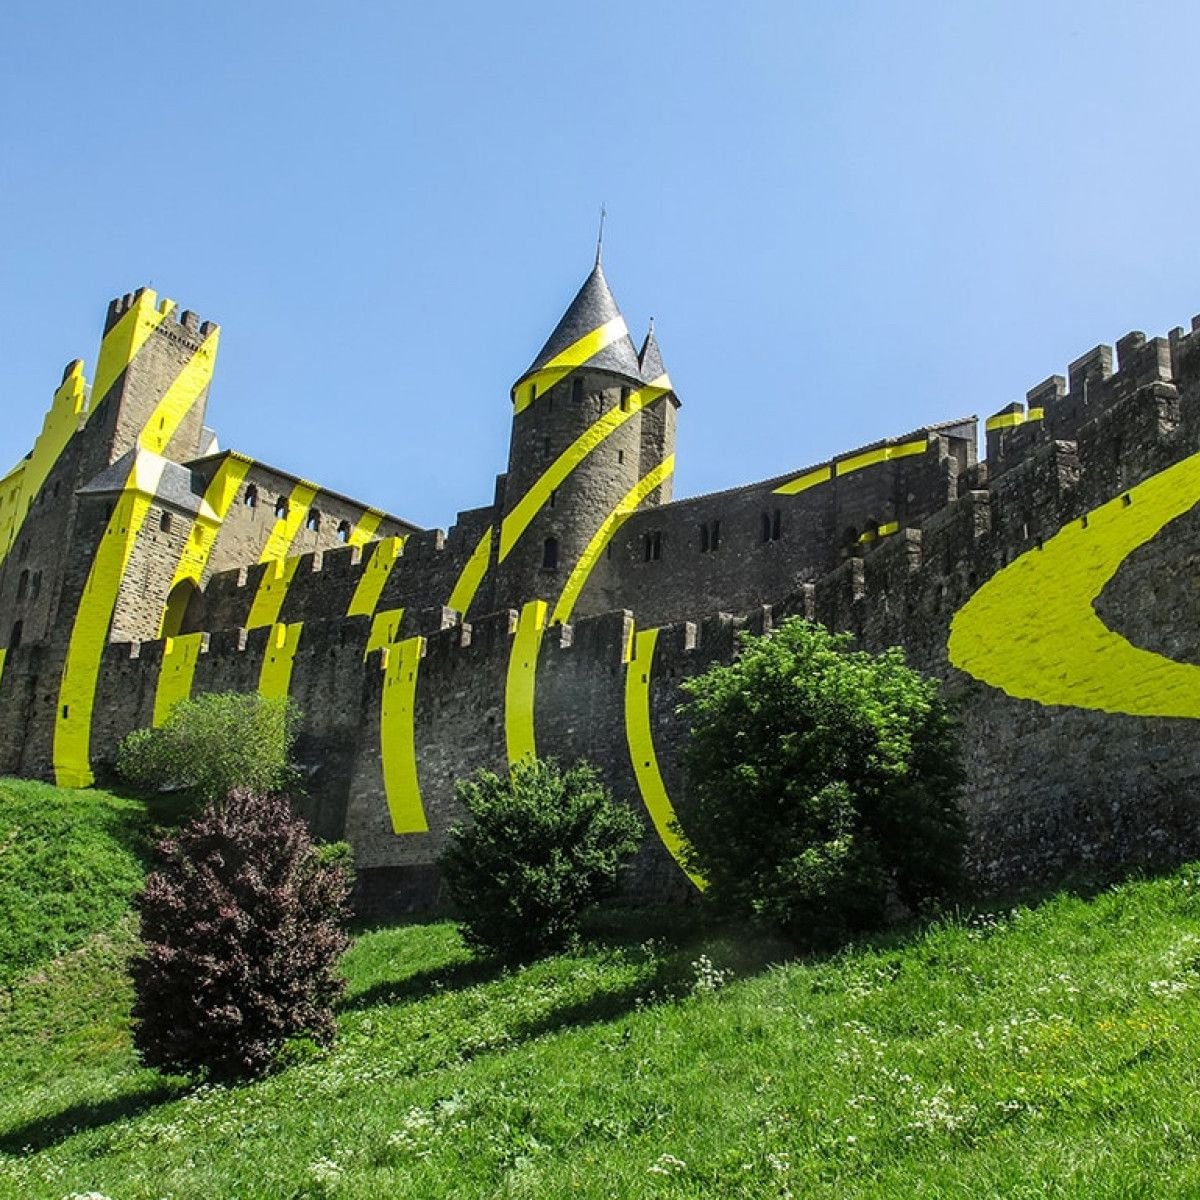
(1044, 1052)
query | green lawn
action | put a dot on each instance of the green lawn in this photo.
(1043, 1052)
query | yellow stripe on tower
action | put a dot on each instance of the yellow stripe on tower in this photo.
(364, 531)
(531, 503)
(397, 736)
(624, 509)
(178, 669)
(519, 689)
(180, 398)
(284, 531)
(3, 657)
(640, 736)
(802, 483)
(122, 342)
(275, 677)
(373, 580)
(272, 591)
(566, 361)
(81, 671)
(472, 575)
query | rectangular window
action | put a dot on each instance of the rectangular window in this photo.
(652, 546)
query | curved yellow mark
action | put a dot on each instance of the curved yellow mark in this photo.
(181, 397)
(374, 577)
(365, 529)
(121, 343)
(272, 591)
(621, 513)
(802, 483)
(531, 503)
(566, 361)
(3, 658)
(385, 629)
(1032, 631)
(175, 675)
(640, 737)
(275, 676)
(397, 739)
(284, 531)
(520, 686)
(472, 575)
(848, 466)
(81, 671)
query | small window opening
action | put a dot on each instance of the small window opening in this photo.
(576, 390)
(313, 522)
(343, 532)
(545, 447)
(23, 585)
(164, 522)
(553, 497)
(56, 490)
(250, 499)
(710, 536)
(281, 508)
(608, 550)
(532, 392)
(624, 399)
(776, 525)
(35, 585)
(771, 526)
(652, 546)
(703, 538)
(550, 553)
(14, 638)
(620, 457)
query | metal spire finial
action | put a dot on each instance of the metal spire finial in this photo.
(600, 236)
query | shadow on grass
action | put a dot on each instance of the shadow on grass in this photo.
(455, 977)
(44, 1132)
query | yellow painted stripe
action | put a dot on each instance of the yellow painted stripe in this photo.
(218, 499)
(364, 531)
(180, 655)
(531, 503)
(179, 399)
(640, 737)
(624, 509)
(472, 575)
(122, 342)
(566, 361)
(1035, 414)
(1004, 421)
(57, 430)
(519, 689)
(1033, 631)
(887, 529)
(385, 629)
(284, 531)
(869, 458)
(374, 578)
(275, 677)
(85, 650)
(803, 482)
(81, 671)
(272, 591)
(3, 658)
(397, 736)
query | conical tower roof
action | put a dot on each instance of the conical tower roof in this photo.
(591, 333)
(651, 362)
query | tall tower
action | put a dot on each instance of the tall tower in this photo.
(589, 426)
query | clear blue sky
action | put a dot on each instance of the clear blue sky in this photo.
(848, 218)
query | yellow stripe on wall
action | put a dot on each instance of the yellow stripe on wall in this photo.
(472, 575)
(624, 509)
(284, 531)
(640, 737)
(175, 675)
(519, 688)
(275, 677)
(81, 671)
(364, 531)
(181, 397)
(397, 737)
(857, 462)
(3, 657)
(802, 483)
(272, 591)
(531, 503)
(566, 361)
(1033, 631)
(375, 575)
(385, 629)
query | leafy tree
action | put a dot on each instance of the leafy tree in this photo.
(822, 784)
(213, 743)
(242, 928)
(541, 847)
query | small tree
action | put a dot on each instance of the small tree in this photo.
(213, 743)
(540, 848)
(241, 930)
(821, 784)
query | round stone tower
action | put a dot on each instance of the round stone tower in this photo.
(592, 437)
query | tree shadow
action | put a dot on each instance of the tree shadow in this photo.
(44, 1132)
(419, 986)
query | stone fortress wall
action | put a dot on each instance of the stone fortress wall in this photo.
(1051, 586)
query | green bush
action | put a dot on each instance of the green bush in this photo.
(822, 784)
(242, 929)
(213, 743)
(541, 847)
